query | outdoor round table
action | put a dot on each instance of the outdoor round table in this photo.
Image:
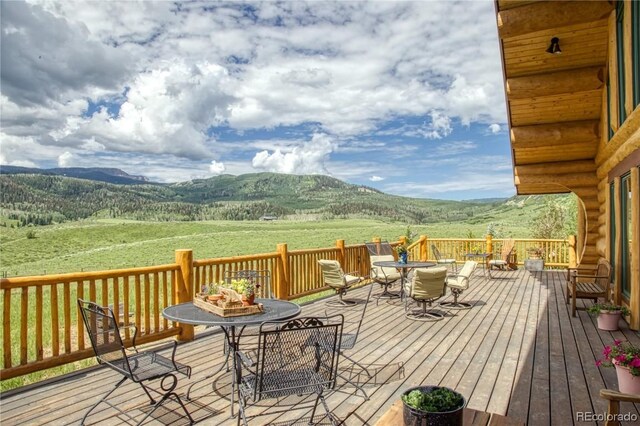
(404, 267)
(188, 313)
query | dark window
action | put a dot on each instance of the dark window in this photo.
(626, 233)
(612, 229)
(620, 51)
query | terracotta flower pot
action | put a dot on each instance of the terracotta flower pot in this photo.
(248, 300)
(214, 297)
(608, 320)
(627, 382)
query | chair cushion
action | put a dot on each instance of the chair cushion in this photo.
(458, 282)
(497, 262)
(351, 279)
(385, 274)
(446, 261)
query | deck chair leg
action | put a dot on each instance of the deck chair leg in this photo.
(144, 388)
(355, 385)
(102, 399)
(356, 363)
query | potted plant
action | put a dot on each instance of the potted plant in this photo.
(608, 315)
(246, 288)
(212, 292)
(535, 260)
(401, 249)
(625, 357)
(432, 405)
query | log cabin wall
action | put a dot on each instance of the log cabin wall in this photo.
(574, 117)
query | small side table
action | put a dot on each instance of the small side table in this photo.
(484, 257)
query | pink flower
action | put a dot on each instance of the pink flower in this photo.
(621, 358)
(598, 363)
(607, 351)
(635, 362)
(617, 342)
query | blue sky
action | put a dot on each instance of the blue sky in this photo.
(406, 97)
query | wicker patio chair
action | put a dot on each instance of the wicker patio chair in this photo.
(444, 258)
(335, 278)
(139, 367)
(295, 357)
(458, 283)
(427, 286)
(585, 283)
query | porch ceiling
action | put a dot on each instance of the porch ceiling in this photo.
(554, 101)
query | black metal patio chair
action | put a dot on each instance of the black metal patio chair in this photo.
(294, 357)
(349, 340)
(139, 367)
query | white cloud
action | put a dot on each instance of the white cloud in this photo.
(494, 128)
(376, 178)
(150, 83)
(308, 158)
(217, 168)
(65, 159)
(439, 127)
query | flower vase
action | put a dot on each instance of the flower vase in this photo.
(403, 258)
(248, 300)
(627, 382)
(608, 320)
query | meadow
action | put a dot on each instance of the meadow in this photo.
(111, 244)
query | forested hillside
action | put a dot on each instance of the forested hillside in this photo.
(44, 199)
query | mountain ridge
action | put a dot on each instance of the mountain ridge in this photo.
(48, 198)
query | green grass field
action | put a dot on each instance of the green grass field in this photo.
(112, 244)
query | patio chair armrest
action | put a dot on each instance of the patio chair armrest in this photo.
(133, 338)
(612, 395)
(355, 274)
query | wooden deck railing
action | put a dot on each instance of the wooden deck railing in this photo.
(42, 326)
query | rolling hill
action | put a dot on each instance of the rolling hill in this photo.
(45, 198)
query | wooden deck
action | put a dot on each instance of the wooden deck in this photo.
(517, 352)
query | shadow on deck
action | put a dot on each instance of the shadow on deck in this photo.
(517, 352)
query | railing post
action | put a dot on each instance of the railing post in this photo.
(489, 242)
(282, 282)
(182, 288)
(341, 253)
(572, 252)
(423, 248)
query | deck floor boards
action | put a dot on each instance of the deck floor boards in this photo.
(516, 352)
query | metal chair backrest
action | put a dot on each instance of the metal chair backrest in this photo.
(260, 278)
(436, 252)
(332, 273)
(352, 329)
(429, 283)
(297, 356)
(102, 327)
(379, 248)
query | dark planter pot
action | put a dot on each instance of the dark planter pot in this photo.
(413, 417)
